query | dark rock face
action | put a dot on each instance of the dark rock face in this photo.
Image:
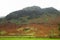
(33, 12)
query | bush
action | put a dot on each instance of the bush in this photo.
(2, 32)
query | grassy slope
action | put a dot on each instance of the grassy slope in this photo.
(21, 38)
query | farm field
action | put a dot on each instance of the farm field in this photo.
(27, 38)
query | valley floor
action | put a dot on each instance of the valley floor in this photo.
(27, 38)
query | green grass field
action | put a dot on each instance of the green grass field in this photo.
(26, 38)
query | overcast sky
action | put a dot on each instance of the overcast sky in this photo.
(7, 6)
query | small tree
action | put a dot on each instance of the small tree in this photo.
(59, 26)
(51, 35)
(2, 32)
(59, 29)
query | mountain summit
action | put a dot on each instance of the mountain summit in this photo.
(33, 12)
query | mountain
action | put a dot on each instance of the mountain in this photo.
(29, 11)
(34, 14)
(31, 21)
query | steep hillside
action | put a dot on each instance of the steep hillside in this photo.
(34, 14)
(32, 21)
